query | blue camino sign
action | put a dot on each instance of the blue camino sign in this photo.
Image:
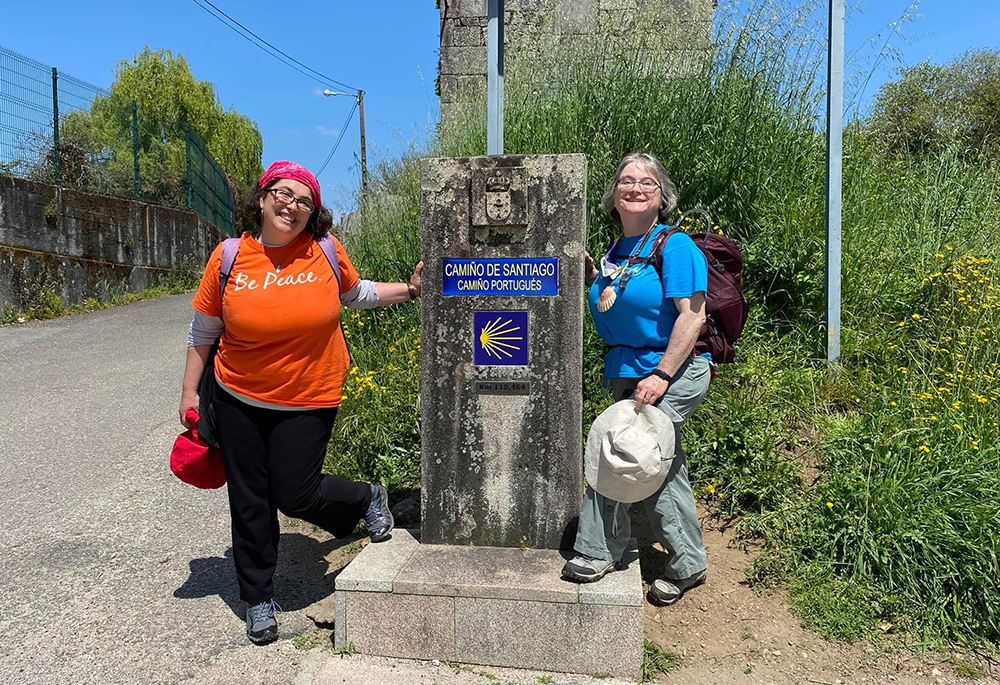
(500, 338)
(529, 276)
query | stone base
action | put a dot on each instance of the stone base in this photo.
(490, 606)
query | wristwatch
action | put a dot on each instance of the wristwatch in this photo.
(412, 289)
(662, 374)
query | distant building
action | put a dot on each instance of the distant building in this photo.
(684, 26)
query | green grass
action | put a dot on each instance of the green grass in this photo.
(656, 661)
(968, 669)
(48, 305)
(874, 491)
(346, 650)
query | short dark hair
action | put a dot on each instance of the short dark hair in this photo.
(319, 222)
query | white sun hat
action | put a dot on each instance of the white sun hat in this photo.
(629, 454)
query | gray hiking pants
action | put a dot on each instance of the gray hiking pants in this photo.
(671, 509)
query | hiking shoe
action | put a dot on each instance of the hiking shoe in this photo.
(378, 518)
(586, 569)
(665, 591)
(262, 627)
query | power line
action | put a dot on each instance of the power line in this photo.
(339, 138)
(251, 40)
(339, 83)
(257, 40)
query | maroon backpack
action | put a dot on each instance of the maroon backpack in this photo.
(726, 308)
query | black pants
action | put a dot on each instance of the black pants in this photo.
(273, 462)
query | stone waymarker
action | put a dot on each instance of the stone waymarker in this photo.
(502, 239)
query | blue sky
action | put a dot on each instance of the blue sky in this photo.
(388, 48)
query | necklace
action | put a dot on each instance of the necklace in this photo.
(278, 262)
(622, 274)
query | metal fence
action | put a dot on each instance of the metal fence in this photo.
(32, 96)
(39, 141)
(208, 191)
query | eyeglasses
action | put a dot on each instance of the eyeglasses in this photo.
(285, 197)
(646, 184)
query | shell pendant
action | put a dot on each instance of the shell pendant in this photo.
(607, 299)
(277, 269)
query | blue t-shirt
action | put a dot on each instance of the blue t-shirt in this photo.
(639, 323)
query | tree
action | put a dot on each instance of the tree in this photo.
(932, 107)
(167, 97)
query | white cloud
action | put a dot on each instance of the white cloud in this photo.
(324, 131)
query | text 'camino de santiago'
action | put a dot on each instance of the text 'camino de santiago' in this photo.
(501, 276)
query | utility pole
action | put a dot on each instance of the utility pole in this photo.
(359, 96)
(494, 78)
(364, 156)
(834, 178)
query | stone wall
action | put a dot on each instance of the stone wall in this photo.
(680, 25)
(79, 245)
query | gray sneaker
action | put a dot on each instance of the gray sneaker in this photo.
(378, 518)
(262, 627)
(665, 591)
(586, 569)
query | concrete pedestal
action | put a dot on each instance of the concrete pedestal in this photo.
(490, 606)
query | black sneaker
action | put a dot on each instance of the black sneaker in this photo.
(586, 569)
(262, 627)
(378, 518)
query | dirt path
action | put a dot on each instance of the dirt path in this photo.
(727, 633)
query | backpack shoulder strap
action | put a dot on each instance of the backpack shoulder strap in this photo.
(329, 247)
(656, 249)
(230, 246)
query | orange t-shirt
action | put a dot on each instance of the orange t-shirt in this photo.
(282, 343)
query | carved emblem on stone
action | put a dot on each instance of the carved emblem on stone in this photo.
(499, 205)
(498, 201)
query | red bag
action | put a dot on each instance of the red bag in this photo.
(193, 461)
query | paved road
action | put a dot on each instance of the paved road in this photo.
(111, 569)
(114, 571)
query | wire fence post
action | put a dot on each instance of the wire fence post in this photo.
(187, 164)
(55, 126)
(135, 150)
(834, 177)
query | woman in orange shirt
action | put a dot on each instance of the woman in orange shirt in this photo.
(280, 369)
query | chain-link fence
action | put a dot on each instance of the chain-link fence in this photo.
(58, 129)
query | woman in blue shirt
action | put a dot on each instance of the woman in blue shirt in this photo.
(651, 320)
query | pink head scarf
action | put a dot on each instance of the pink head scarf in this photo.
(296, 172)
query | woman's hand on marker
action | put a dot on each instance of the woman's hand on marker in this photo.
(415, 278)
(590, 272)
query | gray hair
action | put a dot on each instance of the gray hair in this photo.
(668, 191)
